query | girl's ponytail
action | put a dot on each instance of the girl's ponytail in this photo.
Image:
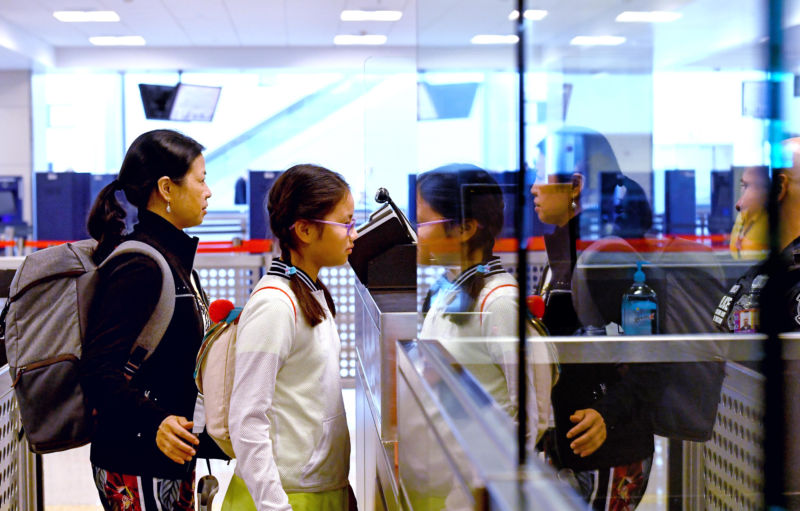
(310, 307)
(106, 222)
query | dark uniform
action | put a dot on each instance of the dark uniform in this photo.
(785, 291)
(789, 320)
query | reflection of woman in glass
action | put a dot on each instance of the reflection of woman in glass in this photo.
(601, 443)
(459, 215)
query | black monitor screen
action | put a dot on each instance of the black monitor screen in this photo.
(8, 205)
(157, 100)
(194, 103)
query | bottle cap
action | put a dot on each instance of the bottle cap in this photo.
(639, 275)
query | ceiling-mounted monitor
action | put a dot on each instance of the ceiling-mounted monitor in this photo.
(757, 96)
(445, 101)
(182, 102)
(157, 100)
(194, 103)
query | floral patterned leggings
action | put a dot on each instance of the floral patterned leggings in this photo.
(123, 492)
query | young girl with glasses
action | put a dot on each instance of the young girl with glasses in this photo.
(287, 418)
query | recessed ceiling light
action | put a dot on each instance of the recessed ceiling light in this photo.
(648, 16)
(530, 14)
(86, 16)
(597, 40)
(494, 39)
(351, 15)
(369, 39)
(125, 40)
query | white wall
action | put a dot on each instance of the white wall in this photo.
(15, 132)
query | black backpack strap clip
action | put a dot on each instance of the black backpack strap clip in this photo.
(135, 361)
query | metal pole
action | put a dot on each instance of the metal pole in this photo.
(772, 295)
(519, 231)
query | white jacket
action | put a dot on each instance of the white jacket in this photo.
(484, 343)
(287, 418)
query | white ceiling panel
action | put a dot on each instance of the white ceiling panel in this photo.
(259, 23)
(311, 22)
(708, 28)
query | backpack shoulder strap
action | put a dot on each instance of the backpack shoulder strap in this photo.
(294, 307)
(485, 298)
(155, 327)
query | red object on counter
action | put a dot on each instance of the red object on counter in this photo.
(536, 306)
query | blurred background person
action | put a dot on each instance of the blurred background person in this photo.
(750, 233)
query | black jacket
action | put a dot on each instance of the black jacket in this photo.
(621, 393)
(129, 413)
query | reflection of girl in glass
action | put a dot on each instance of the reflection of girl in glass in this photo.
(459, 215)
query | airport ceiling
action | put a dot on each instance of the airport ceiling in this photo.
(239, 34)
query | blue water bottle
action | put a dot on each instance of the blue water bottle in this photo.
(639, 307)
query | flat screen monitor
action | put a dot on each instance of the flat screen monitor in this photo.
(194, 103)
(8, 205)
(445, 101)
(757, 98)
(157, 100)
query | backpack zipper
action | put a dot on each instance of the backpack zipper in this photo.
(42, 363)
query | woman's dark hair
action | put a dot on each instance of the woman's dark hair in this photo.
(463, 192)
(151, 156)
(303, 192)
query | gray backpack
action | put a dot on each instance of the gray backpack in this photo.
(44, 322)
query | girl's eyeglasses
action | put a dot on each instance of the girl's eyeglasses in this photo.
(434, 222)
(349, 226)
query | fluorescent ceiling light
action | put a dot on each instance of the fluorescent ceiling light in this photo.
(648, 16)
(598, 40)
(359, 39)
(530, 14)
(371, 15)
(125, 40)
(86, 16)
(494, 39)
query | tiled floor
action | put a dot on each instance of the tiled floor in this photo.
(68, 484)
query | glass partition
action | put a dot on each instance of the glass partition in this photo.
(465, 192)
(648, 137)
(651, 145)
(651, 136)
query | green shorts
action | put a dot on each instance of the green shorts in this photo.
(238, 498)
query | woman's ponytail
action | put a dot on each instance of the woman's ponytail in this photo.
(152, 155)
(106, 222)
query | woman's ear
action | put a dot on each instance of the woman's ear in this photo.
(577, 185)
(782, 182)
(165, 187)
(468, 229)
